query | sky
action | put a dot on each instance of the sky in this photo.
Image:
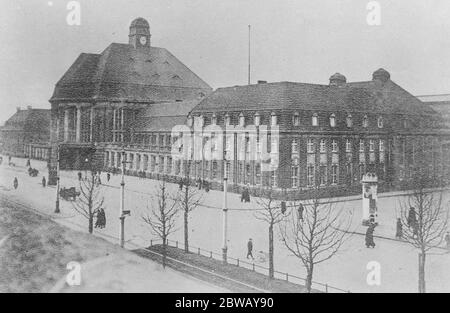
(291, 40)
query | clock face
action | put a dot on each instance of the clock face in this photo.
(143, 40)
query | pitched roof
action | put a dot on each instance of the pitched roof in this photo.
(366, 96)
(164, 116)
(22, 119)
(123, 72)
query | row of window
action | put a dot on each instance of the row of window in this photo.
(274, 120)
(311, 146)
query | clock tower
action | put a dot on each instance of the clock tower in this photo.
(139, 35)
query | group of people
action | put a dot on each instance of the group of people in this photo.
(101, 219)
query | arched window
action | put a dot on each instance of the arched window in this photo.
(380, 122)
(257, 121)
(333, 120)
(273, 119)
(241, 119)
(349, 121)
(296, 119)
(315, 120)
(214, 119)
(365, 122)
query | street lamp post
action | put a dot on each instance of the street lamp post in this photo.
(225, 214)
(122, 213)
(57, 210)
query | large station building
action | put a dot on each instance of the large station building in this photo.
(112, 101)
(131, 96)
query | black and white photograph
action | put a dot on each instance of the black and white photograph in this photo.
(235, 149)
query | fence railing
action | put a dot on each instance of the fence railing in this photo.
(324, 287)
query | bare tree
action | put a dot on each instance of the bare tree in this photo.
(424, 218)
(190, 199)
(90, 200)
(162, 216)
(316, 236)
(269, 212)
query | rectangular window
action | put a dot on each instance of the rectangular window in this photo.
(348, 146)
(323, 175)
(311, 175)
(381, 145)
(310, 146)
(169, 165)
(273, 178)
(334, 174)
(371, 145)
(323, 147)
(145, 162)
(258, 174)
(294, 146)
(361, 145)
(334, 146)
(294, 176)
(214, 169)
(161, 164)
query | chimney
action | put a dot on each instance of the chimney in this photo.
(381, 76)
(338, 80)
(17, 109)
(262, 81)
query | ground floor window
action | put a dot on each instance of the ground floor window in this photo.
(145, 162)
(112, 159)
(334, 174)
(294, 176)
(248, 172)
(258, 174)
(311, 175)
(214, 170)
(273, 178)
(361, 170)
(169, 165)
(161, 164)
(323, 175)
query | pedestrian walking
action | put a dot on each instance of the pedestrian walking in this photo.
(108, 176)
(28, 163)
(399, 231)
(44, 181)
(80, 176)
(15, 183)
(369, 236)
(300, 212)
(103, 218)
(250, 248)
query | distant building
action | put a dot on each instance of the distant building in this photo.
(27, 134)
(440, 103)
(126, 97)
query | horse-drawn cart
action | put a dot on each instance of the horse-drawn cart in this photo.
(69, 194)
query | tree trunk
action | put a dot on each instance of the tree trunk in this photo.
(309, 276)
(164, 252)
(422, 257)
(91, 224)
(271, 249)
(186, 231)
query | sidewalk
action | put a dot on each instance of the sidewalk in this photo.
(236, 278)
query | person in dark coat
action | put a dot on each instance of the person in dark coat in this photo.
(369, 236)
(80, 176)
(250, 248)
(411, 217)
(300, 212)
(44, 181)
(399, 231)
(108, 176)
(15, 183)
(103, 221)
(28, 163)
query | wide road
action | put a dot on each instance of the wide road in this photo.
(348, 270)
